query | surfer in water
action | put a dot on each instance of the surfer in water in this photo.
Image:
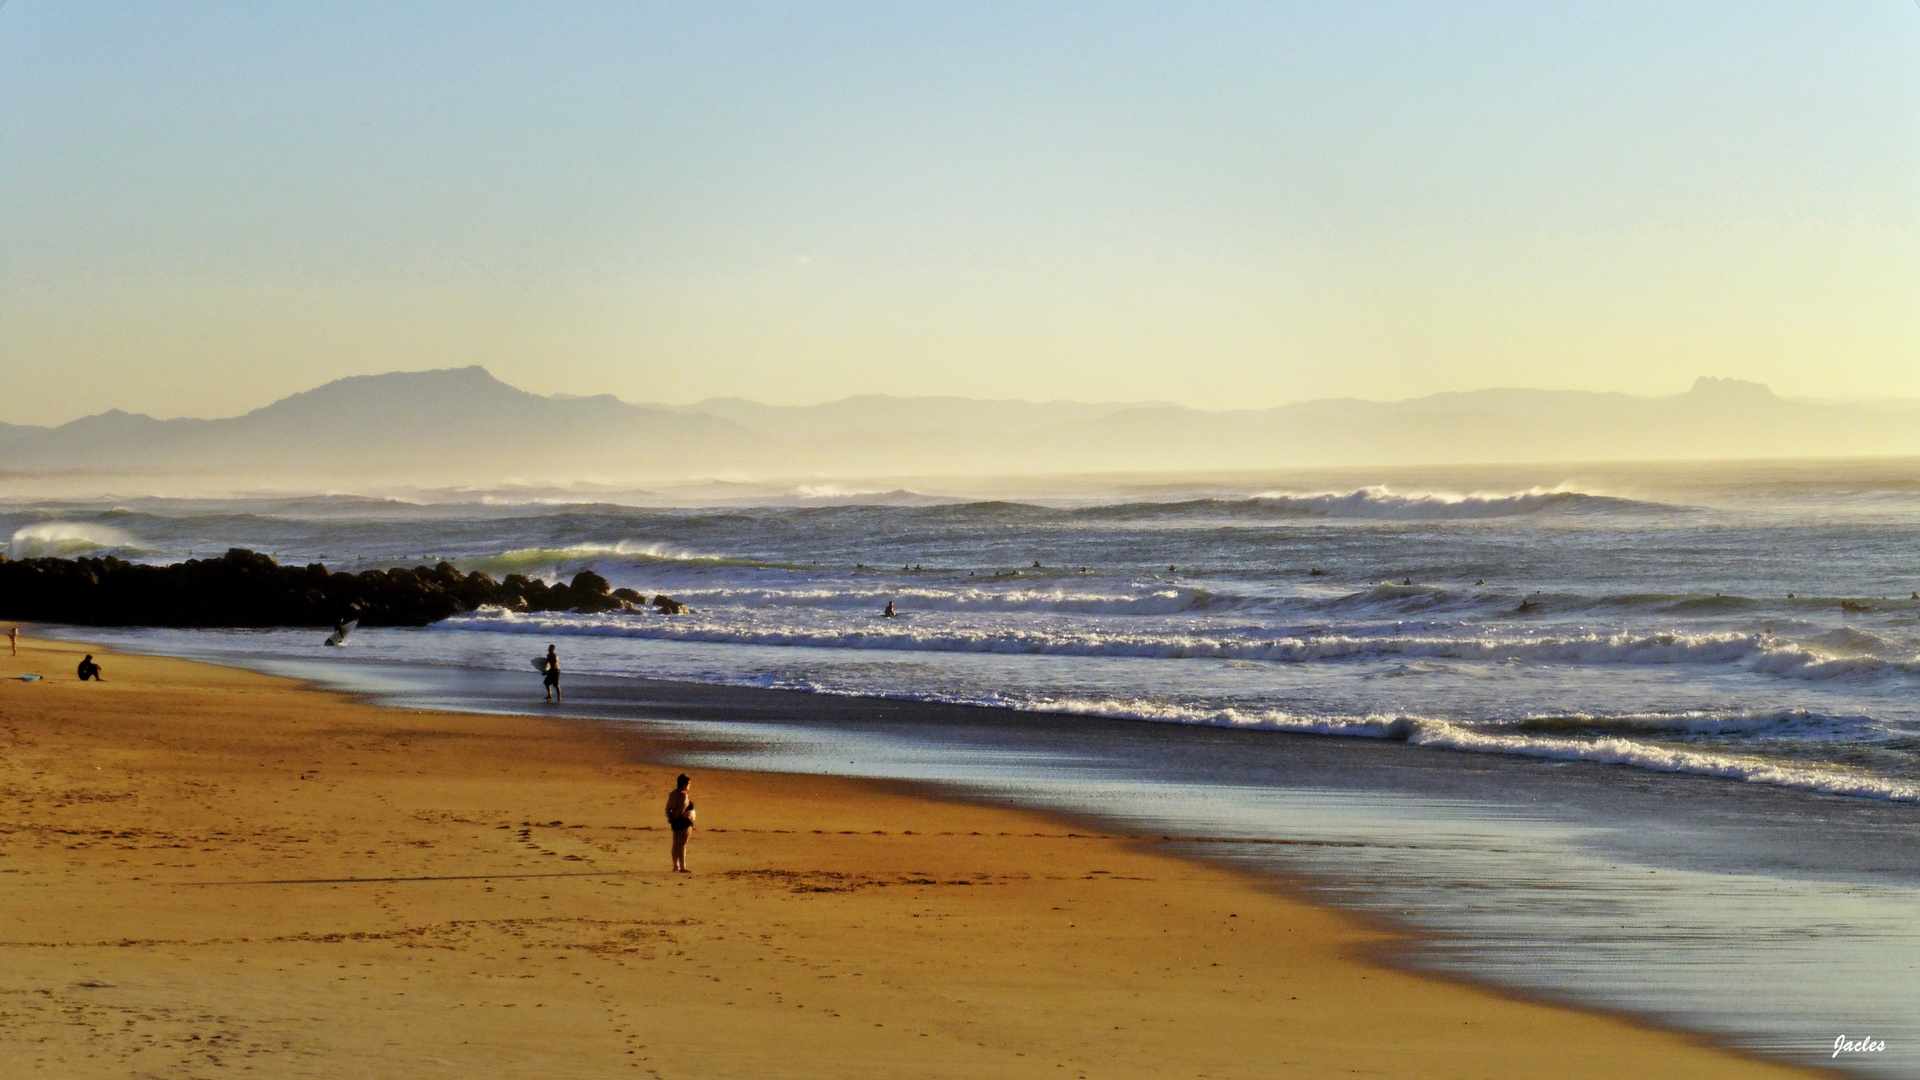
(550, 674)
(888, 614)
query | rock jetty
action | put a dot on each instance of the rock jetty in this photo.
(246, 588)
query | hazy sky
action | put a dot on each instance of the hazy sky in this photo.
(207, 206)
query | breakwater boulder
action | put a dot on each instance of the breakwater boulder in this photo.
(246, 588)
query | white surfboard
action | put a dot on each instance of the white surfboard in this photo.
(540, 663)
(339, 637)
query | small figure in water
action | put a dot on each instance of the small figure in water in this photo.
(680, 820)
(888, 614)
(1482, 581)
(551, 674)
(1036, 564)
(90, 670)
(1170, 569)
(1409, 581)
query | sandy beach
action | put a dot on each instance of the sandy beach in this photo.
(209, 871)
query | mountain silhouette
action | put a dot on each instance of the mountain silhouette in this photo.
(446, 426)
(462, 426)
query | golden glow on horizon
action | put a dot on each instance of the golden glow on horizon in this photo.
(1243, 224)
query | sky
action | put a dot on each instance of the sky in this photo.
(207, 206)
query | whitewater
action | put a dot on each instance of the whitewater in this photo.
(1765, 632)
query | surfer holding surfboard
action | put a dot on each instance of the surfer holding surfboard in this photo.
(549, 666)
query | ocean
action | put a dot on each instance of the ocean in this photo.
(1629, 645)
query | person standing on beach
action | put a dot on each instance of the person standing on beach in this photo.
(552, 676)
(13, 639)
(680, 820)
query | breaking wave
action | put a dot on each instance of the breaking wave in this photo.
(1381, 503)
(66, 540)
(578, 556)
(1616, 749)
(1384, 504)
(1757, 653)
(841, 598)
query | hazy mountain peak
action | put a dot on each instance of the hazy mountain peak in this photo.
(1710, 388)
(401, 400)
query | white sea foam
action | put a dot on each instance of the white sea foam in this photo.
(1430, 731)
(1642, 755)
(1149, 600)
(1759, 653)
(1385, 504)
(1465, 737)
(65, 539)
(837, 495)
(576, 556)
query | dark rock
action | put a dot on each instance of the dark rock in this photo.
(246, 588)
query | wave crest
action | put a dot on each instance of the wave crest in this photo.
(1758, 653)
(66, 540)
(1385, 504)
(578, 556)
(1379, 503)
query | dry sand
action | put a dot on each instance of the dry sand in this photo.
(173, 843)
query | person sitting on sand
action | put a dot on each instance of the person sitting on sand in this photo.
(90, 670)
(680, 820)
(552, 674)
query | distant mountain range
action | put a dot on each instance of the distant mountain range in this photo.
(463, 426)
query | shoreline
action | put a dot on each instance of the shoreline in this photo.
(849, 915)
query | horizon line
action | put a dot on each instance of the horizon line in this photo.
(1698, 382)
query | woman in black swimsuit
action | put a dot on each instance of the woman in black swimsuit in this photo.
(680, 820)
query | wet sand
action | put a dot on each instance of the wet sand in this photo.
(209, 871)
